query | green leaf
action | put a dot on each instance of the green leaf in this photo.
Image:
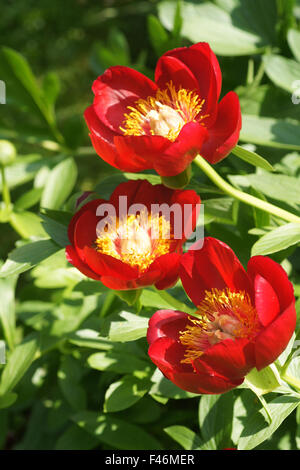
(57, 231)
(157, 34)
(270, 132)
(18, 363)
(225, 26)
(51, 88)
(115, 432)
(19, 79)
(25, 169)
(185, 437)
(69, 375)
(162, 299)
(69, 314)
(256, 428)
(293, 38)
(115, 52)
(125, 392)
(279, 187)
(222, 209)
(45, 278)
(7, 309)
(252, 158)
(297, 437)
(38, 416)
(293, 371)
(7, 400)
(62, 217)
(276, 240)
(122, 362)
(90, 287)
(75, 438)
(178, 20)
(215, 420)
(129, 296)
(282, 71)
(262, 218)
(88, 338)
(130, 328)
(60, 184)
(26, 256)
(56, 272)
(153, 179)
(28, 224)
(29, 199)
(245, 404)
(263, 381)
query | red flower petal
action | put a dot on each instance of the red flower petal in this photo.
(177, 157)
(204, 65)
(167, 354)
(84, 231)
(266, 300)
(213, 266)
(141, 280)
(232, 359)
(108, 265)
(170, 69)
(74, 259)
(142, 192)
(224, 134)
(169, 268)
(203, 383)
(142, 148)
(275, 275)
(91, 207)
(103, 142)
(166, 323)
(157, 352)
(190, 203)
(115, 90)
(273, 340)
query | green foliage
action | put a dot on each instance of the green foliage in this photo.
(215, 420)
(185, 437)
(224, 24)
(76, 364)
(59, 185)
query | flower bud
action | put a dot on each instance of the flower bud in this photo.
(7, 153)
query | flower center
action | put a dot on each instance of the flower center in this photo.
(165, 114)
(222, 314)
(136, 240)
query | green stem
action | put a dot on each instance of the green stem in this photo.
(243, 197)
(250, 72)
(5, 189)
(259, 75)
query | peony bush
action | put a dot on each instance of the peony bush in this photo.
(150, 297)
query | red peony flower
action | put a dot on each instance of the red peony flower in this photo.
(139, 244)
(137, 124)
(244, 320)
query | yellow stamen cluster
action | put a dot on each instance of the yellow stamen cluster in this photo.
(222, 314)
(137, 240)
(164, 114)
